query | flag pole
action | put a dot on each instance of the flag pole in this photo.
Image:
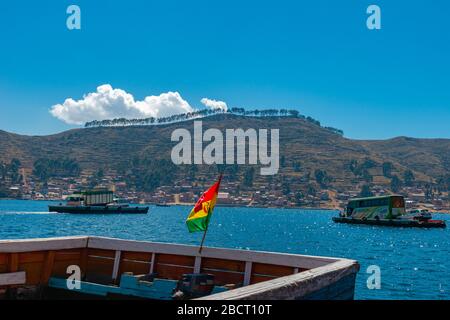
(203, 240)
(206, 230)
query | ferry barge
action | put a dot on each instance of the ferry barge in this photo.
(386, 211)
(96, 201)
(105, 268)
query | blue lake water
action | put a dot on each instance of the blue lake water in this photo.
(415, 263)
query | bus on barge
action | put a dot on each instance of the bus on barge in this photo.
(385, 211)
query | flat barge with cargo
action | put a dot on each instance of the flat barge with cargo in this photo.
(106, 268)
(386, 211)
(96, 202)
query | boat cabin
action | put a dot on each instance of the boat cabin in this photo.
(98, 197)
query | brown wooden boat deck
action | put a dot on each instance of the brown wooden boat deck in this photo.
(257, 275)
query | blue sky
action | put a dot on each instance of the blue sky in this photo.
(316, 56)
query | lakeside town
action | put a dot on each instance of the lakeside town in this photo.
(186, 191)
(321, 170)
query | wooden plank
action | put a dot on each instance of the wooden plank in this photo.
(13, 278)
(135, 262)
(3, 258)
(221, 264)
(13, 261)
(65, 258)
(102, 253)
(48, 267)
(176, 259)
(30, 257)
(34, 272)
(29, 245)
(137, 256)
(225, 278)
(103, 266)
(60, 267)
(73, 254)
(136, 267)
(247, 273)
(271, 270)
(115, 271)
(172, 272)
(293, 286)
(292, 260)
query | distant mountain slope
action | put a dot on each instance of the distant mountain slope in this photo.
(300, 142)
(429, 156)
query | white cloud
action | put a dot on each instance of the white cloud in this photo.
(214, 104)
(109, 103)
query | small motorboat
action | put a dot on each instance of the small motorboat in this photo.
(162, 205)
(419, 214)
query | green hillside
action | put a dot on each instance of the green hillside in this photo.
(305, 148)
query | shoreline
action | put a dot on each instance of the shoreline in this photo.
(226, 206)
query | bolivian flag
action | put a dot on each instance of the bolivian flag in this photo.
(200, 215)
